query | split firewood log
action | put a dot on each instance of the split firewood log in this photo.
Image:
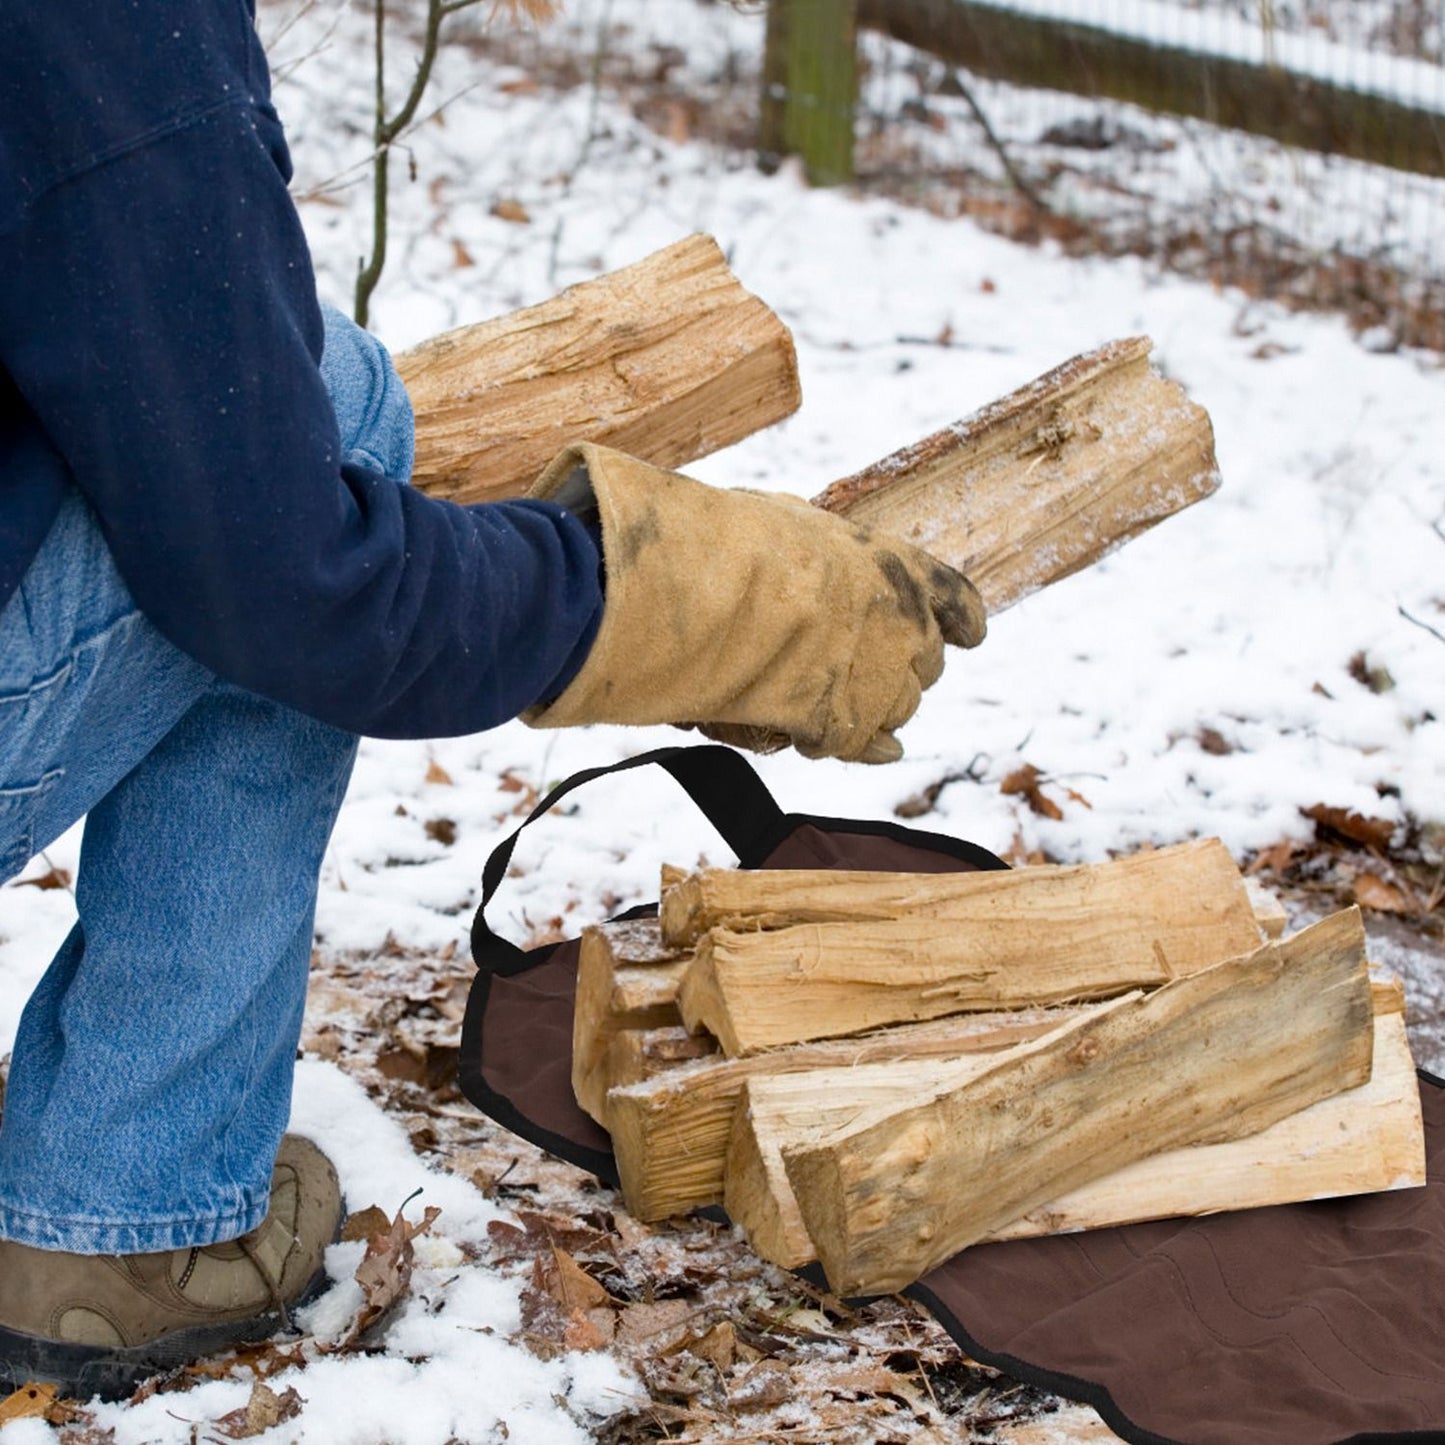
(627, 979)
(668, 359)
(671, 359)
(786, 956)
(670, 1132)
(1048, 479)
(1364, 1140)
(1217, 1056)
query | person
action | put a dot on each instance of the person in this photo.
(213, 578)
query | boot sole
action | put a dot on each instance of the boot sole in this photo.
(83, 1372)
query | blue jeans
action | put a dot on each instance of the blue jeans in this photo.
(151, 1076)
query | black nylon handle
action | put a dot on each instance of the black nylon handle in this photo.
(723, 784)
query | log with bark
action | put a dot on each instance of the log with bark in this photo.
(1217, 1056)
(808, 955)
(672, 359)
(1047, 480)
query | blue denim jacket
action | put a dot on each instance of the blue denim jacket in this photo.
(159, 348)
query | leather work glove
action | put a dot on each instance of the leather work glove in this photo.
(754, 616)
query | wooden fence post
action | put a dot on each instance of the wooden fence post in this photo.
(810, 86)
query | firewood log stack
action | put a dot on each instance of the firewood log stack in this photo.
(671, 359)
(877, 1070)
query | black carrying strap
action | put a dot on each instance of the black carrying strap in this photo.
(729, 794)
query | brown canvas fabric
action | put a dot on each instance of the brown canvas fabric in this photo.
(1299, 1325)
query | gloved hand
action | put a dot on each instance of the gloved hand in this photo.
(753, 615)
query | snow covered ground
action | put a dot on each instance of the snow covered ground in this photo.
(1199, 682)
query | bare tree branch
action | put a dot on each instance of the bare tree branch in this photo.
(1425, 626)
(388, 129)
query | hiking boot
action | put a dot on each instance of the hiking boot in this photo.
(99, 1324)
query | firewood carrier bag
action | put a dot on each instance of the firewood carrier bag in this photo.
(1300, 1324)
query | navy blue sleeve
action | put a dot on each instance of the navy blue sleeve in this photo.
(158, 316)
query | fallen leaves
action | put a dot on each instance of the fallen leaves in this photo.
(1213, 742)
(511, 209)
(1027, 782)
(264, 1410)
(41, 1402)
(263, 1361)
(1375, 676)
(1371, 832)
(1384, 865)
(1276, 858)
(1373, 892)
(384, 1273)
(527, 795)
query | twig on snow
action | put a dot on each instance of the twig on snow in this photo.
(1434, 632)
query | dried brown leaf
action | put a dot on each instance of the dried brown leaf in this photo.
(512, 210)
(366, 1222)
(764, 1387)
(384, 1273)
(435, 773)
(41, 1402)
(1213, 742)
(1376, 894)
(1276, 858)
(1356, 827)
(589, 1329)
(262, 1360)
(1026, 783)
(647, 1324)
(263, 1411)
(46, 882)
(572, 1287)
(1020, 855)
(719, 1346)
(1376, 676)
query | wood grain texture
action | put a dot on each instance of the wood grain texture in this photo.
(1048, 479)
(668, 359)
(903, 947)
(670, 1132)
(637, 1054)
(1362, 1141)
(1216, 1056)
(627, 978)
